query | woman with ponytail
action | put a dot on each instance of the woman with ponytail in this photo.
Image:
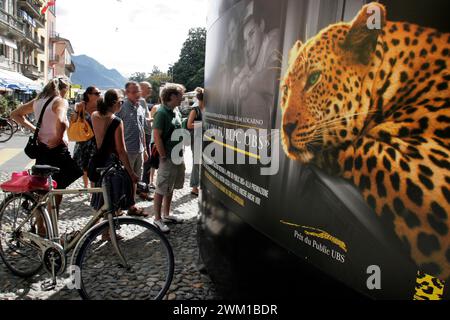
(84, 151)
(102, 119)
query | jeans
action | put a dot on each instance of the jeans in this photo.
(195, 174)
(147, 166)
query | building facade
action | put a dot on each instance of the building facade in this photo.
(23, 38)
(60, 59)
(30, 46)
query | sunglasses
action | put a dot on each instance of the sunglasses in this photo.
(120, 102)
(96, 93)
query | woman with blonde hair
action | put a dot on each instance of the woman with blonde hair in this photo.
(53, 141)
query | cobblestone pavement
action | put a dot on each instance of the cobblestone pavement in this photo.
(188, 283)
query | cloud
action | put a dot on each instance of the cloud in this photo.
(130, 35)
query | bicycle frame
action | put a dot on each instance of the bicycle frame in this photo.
(51, 218)
(54, 245)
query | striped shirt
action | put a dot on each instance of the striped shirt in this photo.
(133, 117)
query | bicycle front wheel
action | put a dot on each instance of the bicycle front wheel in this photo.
(6, 131)
(22, 257)
(148, 256)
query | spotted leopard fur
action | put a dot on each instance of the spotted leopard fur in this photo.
(373, 105)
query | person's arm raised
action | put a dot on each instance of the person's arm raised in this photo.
(19, 115)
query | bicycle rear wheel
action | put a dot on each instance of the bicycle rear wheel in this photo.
(14, 124)
(22, 257)
(6, 131)
(101, 275)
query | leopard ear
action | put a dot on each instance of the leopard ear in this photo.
(361, 40)
(294, 51)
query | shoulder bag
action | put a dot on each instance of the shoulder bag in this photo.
(32, 147)
(79, 129)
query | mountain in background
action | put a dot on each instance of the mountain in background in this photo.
(89, 71)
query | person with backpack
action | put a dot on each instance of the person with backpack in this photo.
(195, 117)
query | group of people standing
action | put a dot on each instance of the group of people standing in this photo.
(129, 128)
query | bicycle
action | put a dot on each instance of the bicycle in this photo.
(6, 130)
(143, 258)
(24, 130)
(14, 124)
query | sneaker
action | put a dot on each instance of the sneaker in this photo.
(161, 226)
(171, 219)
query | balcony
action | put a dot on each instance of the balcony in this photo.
(54, 59)
(30, 37)
(6, 63)
(70, 67)
(11, 24)
(35, 22)
(31, 71)
(31, 7)
(54, 37)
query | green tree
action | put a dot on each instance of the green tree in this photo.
(157, 78)
(138, 76)
(189, 69)
(7, 105)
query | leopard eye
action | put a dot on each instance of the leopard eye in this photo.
(312, 79)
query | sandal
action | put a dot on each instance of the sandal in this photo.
(137, 212)
(119, 213)
(145, 197)
(107, 237)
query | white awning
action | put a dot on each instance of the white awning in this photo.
(8, 42)
(18, 81)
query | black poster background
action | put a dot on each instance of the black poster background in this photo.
(298, 196)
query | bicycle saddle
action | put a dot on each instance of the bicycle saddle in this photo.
(44, 171)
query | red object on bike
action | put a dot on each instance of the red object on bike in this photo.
(22, 182)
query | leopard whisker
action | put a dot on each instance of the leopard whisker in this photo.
(275, 68)
(279, 53)
(340, 118)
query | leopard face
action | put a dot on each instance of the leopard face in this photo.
(377, 103)
(321, 96)
(322, 91)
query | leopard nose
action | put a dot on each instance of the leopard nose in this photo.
(289, 128)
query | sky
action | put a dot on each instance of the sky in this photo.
(129, 35)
